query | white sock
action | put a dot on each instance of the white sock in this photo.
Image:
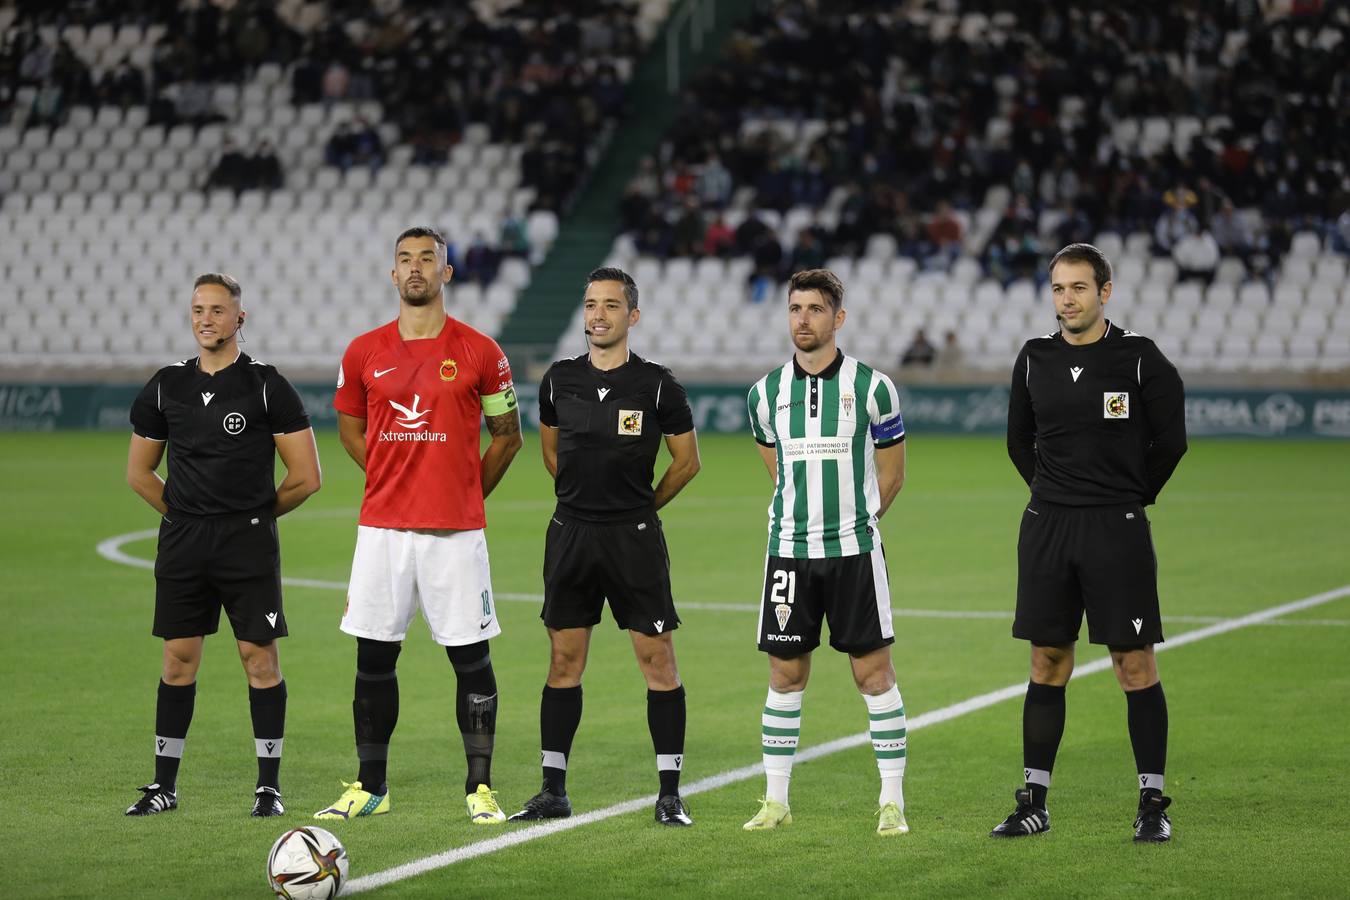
(886, 720)
(781, 727)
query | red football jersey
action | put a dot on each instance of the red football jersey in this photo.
(422, 404)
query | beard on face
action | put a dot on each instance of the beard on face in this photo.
(421, 296)
(806, 342)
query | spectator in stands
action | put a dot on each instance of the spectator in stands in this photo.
(1196, 255)
(944, 231)
(480, 261)
(1339, 233)
(807, 253)
(1231, 233)
(515, 239)
(265, 168)
(920, 353)
(719, 239)
(714, 183)
(232, 172)
(1175, 223)
(336, 80)
(951, 358)
(690, 229)
(194, 103)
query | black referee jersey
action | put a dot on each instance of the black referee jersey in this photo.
(1098, 424)
(610, 426)
(220, 431)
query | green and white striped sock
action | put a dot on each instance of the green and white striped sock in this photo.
(781, 727)
(886, 718)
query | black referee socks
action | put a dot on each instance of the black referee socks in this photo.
(559, 718)
(1147, 713)
(665, 719)
(267, 706)
(173, 715)
(1042, 729)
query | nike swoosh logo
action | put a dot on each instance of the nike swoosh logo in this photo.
(380, 373)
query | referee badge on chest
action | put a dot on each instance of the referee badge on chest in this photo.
(1115, 406)
(630, 421)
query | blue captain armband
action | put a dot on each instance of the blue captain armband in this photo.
(888, 432)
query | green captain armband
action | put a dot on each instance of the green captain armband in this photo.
(500, 403)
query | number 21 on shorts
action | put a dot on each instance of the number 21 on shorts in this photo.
(783, 595)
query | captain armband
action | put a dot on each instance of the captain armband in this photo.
(499, 403)
(888, 432)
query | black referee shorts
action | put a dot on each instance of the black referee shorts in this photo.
(1093, 559)
(205, 563)
(585, 563)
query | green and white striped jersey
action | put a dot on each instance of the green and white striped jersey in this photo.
(825, 429)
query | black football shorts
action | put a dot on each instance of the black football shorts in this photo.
(206, 563)
(586, 563)
(1093, 559)
(852, 593)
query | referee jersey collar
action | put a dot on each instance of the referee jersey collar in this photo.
(828, 372)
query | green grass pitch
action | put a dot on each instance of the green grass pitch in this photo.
(1259, 733)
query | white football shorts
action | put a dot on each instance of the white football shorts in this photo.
(444, 573)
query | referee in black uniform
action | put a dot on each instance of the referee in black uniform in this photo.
(223, 417)
(1096, 426)
(602, 416)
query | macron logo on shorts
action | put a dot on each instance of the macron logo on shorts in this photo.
(272, 619)
(1138, 624)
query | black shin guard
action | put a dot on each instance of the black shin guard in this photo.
(475, 710)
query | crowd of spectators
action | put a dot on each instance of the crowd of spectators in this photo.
(202, 44)
(543, 74)
(905, 136)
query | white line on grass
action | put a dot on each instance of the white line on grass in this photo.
(923, 720)
(111, 550)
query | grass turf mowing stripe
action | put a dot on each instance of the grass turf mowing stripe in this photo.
(923, 720)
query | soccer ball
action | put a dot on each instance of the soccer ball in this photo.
(307, 863)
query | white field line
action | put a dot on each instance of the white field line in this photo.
(111, 550)
(745, 773)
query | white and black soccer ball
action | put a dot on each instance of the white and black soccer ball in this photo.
(307, 863)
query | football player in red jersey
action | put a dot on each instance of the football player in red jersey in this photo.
(410, 397)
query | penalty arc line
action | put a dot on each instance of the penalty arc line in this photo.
(111, 550)
(923, 720)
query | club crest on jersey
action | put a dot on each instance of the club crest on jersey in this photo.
(449, 369)
(783, 612)
(1115, 406)
(846, 400)
(630, 421)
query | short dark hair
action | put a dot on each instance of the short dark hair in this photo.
(420, 231)
(823, 280)
(220, 279)
(614, 273)
(1101, 266)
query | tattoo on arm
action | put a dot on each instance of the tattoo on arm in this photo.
(506, 423)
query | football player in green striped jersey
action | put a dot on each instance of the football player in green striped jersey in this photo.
(832, 438)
